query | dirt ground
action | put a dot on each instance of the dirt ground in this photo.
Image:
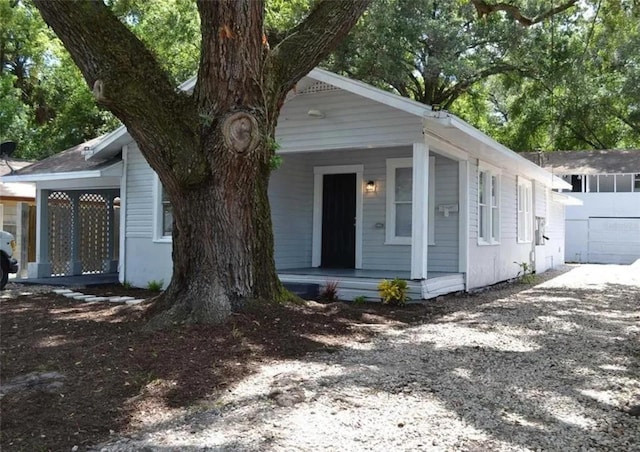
(111, 374)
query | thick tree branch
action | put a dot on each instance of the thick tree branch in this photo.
(309, 42)
(232, 54)
(485, 9)
(452, 93)
(125, 77)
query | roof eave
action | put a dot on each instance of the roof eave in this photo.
(565, 199)
(111, 170)
(446, 119)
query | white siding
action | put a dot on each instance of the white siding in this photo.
(609, 205)
(489, 264)
(291, 198)
(551, 254)
(443, 256)
(140, 180)
(350, 121)
(291, 194)
(146, 261)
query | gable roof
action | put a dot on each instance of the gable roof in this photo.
(608, 161)
(437, 123)
(113, 142)
(68, 164)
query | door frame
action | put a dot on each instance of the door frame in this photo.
(318, 182)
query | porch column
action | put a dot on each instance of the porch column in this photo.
(41, 268)
(22, 237)
(76, 259)
(112, 264)
(420, 211)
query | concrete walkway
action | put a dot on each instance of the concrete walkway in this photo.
(72, 281)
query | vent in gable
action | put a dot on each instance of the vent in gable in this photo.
(318, 87)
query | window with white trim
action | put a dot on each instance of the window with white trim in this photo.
(163, 213)
(167, 214)
(488, 206)
(525, 218)
(399, 201)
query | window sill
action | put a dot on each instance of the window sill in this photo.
(525, 241)
(398, 241)
(485, 243)
(163, 240)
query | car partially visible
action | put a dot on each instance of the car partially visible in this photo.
(8, 264)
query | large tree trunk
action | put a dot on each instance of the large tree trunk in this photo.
(211, 150)
(222, 249)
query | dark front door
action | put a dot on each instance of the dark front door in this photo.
(339, 221)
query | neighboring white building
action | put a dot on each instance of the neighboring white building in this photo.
(17, 199)
(606, 228)
(372, 186)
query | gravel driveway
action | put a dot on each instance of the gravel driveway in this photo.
(555, 367)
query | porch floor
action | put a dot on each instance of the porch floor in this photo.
(355, 283)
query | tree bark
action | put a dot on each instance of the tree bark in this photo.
(211, 151)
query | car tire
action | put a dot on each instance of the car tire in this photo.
(4, 272)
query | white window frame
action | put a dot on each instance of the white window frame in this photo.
(158, 211)
(524, 207)
(392, 166)
(490, 172)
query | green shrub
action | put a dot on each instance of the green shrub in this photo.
(393, 292)
(155, 286)
(126, 284)
(360, 299)
(525, 275)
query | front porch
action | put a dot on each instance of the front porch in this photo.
(353, 283)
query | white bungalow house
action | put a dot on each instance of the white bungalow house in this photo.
(606, 228)
(372, 186)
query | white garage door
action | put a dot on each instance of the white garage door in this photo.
(614, 240)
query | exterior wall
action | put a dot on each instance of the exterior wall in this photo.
(291, 198)
(489, 264)
(350, 121)
(146, 259)
(291, 194)
(8, 216)
(555, 246)
(551, 253)
(287, 191)
(616, 205)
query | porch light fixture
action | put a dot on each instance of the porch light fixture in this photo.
(315, 114)
(370, 187)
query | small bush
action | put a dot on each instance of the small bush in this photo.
(126, 284)
(360, 299)
(393, 292)
(329, 292)
(155, 286)
(525, 275)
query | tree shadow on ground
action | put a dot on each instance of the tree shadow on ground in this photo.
(542, 369)
(118, 377)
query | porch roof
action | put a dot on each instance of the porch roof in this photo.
(69, 164)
